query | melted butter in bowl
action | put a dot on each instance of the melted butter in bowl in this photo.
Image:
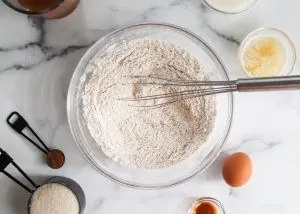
(267, 52)
(264, 57)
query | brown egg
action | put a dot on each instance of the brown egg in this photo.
(237, 169)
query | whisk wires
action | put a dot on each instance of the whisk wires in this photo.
(198, 89)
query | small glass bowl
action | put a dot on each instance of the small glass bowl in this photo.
(283, 38)
(218, 205)
(242, 9)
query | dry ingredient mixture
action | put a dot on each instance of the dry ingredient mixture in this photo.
(54, 199)
(137, 137)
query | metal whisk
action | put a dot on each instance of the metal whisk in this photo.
(204, 88)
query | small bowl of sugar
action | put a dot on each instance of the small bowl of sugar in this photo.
(60, 195)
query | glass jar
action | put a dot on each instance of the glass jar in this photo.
(51, 9)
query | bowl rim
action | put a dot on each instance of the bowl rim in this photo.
(213, 154)
(248, 7)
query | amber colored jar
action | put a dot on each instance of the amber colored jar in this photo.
(51, 9)
(207, 206)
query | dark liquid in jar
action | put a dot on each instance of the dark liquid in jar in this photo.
(205, 208)
(38, 5)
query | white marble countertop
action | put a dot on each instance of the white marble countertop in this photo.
(38, 58)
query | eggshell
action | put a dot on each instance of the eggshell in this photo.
(237, 169)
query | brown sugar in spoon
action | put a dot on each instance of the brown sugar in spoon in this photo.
(54, 157)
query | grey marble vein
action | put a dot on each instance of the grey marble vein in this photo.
(50, 56)
(37, 23)
(228, 38)
(257, 145)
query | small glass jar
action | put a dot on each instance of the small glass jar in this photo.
(71, 185)
(289, 49)
(51, 9)
(219, 208)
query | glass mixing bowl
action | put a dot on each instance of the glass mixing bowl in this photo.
(154, 178)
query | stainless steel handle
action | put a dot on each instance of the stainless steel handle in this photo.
(268, 84)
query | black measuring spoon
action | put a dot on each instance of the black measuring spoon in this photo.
(54, 157)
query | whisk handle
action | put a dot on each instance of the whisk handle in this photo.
(268, 84)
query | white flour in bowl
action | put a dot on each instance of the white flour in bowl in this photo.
(153, 138)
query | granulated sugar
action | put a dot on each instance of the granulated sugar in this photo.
(153, 138)
(54, 199)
